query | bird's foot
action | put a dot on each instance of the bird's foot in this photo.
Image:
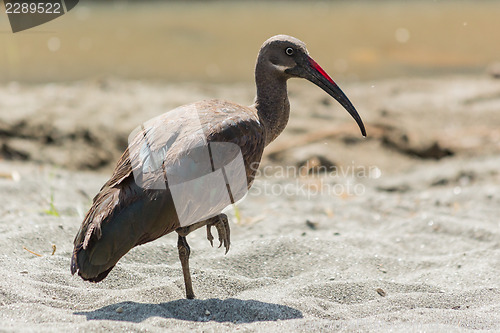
(222, 225)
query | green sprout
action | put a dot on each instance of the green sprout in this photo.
(52, 208)
(237, 214)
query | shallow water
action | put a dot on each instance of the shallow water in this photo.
(219, 41)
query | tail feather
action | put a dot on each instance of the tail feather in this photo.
(90, 273)
(97, 276)
(120, 219)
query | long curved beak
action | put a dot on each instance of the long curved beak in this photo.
(320, 78)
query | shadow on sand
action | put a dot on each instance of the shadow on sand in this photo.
(228, 310)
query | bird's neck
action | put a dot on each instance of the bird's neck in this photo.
(271, 103)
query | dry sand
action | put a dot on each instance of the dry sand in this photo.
(415, 247)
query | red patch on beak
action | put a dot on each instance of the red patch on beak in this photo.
(317, 67)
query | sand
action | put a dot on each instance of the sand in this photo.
(403, 236)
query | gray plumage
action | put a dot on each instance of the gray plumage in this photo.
(125, 214)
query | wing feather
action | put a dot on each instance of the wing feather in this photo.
(172, 136)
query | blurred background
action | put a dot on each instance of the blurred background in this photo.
(419, 73)
(218, 41)
(397, 230)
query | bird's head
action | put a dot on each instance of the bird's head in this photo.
(288, 57)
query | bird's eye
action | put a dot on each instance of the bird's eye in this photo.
(289, 51)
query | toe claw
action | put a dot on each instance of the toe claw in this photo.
(223, 231)
(209, 235)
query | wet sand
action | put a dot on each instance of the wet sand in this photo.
(403, 234)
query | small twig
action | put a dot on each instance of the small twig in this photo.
(24, 247)
(53, 249)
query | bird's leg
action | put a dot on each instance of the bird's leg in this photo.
(184, 231)
(184, 252)
(220, 222)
